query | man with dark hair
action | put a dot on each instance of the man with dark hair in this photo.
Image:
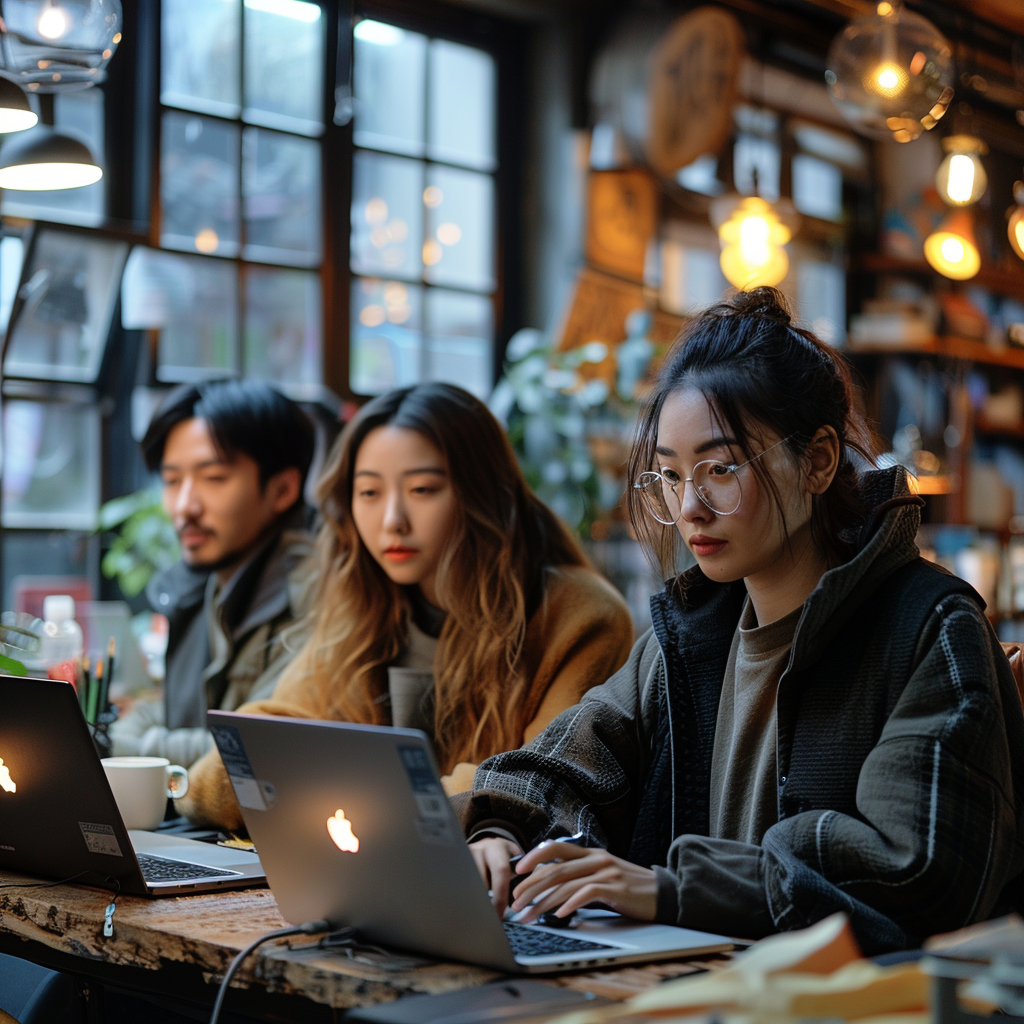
(233, 457)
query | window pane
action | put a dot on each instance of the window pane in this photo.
(282, 197)
(756, 167)
(821, 292)
(462, 103)
(51, 465)
(386, 349)
(199, 50)
(12, 252)
(79, 114)
(389, 70)
(67, 302)
(387, 215)
(199, 184)
(284, 64)
(283, 330)
(193, 302)
(459, 340)
(459, 249)
(817, 187)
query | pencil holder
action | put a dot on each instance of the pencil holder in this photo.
(100, 730)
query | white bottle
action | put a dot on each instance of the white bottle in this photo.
(62, 643)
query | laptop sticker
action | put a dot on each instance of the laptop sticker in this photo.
(100, 838)
(243, 779)
(434, 817)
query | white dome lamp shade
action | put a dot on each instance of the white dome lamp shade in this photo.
(15, 113)
(42, 159)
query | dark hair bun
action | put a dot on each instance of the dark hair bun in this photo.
(765, 302)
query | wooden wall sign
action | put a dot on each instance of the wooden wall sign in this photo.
(692, 88)
(622, 218)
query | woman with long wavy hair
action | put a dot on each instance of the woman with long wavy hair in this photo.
(449, 597)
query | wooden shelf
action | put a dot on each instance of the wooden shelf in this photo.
(982, 426)
(1003, 280)
(950, 348)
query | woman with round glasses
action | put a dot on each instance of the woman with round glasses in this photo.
(818, 721)
(450, 599)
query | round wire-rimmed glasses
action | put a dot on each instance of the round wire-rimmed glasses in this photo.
(717, 484)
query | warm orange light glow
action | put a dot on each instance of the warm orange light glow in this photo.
(340, 830)
(433, 196)
(449, 233)
(207, 240)
(1015, 231)
(951, 248)
(752, 245)
(371, 316)
(432, 252)
(887, 80)
(6, 782)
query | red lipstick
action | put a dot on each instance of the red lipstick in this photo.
(703, 546)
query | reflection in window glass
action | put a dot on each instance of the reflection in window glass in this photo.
(461, 92)
(386, 345)
(387, 215)
(79, 114)
(12, 252)
(284, 64)
(199, 184)
(199, 55)
(283, 327)
(459, 248)
(51, 465)
(756, 166)
(281, 190)
(67, 301)
(192, 301)
(817, 187)
(388, 69)
(459, 332)
(821, 292)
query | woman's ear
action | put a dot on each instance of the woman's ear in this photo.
(822, 460)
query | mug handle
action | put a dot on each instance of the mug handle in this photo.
(177, 781)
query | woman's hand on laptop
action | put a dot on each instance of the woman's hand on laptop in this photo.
(492, 856)
(578, 875)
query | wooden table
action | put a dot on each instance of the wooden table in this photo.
(179, 948)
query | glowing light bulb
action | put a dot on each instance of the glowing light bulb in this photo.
(754, 232)
(752, 238)
(961, 178)
(887, 80)
(952, 249)
(52, 23)
(1018, 233)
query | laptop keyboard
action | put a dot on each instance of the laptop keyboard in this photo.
(159, 869)
(526, 941)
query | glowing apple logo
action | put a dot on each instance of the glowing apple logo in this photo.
(7, 783)
(340, 830)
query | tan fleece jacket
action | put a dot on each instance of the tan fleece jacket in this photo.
(581, 634)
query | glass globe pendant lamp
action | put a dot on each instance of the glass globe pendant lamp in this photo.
(961, 178)
(58, 45)
(891, 73)
(951, 248)
(1015, 228)
(752, 233)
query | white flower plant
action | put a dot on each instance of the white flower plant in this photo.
(569, 427)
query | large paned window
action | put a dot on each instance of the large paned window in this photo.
(235, 286)
(423, 222)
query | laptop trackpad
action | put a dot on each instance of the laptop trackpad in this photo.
(176, 848)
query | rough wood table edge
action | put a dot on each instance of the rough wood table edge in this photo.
(206, 931)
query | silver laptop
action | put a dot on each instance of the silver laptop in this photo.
(352, 826)
(58, 817)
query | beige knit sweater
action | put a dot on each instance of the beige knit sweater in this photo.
(581, 634)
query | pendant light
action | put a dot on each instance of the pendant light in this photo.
(752, 233)
(891, 73)
(15, 113)
(58, 45)
(1015, 229)
(952, 249)
(961, 178)
(42, 159)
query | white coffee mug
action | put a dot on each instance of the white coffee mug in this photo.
(141, 786)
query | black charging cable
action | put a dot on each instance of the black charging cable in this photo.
(307, 928)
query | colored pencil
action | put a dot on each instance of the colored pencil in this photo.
(108, 677)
